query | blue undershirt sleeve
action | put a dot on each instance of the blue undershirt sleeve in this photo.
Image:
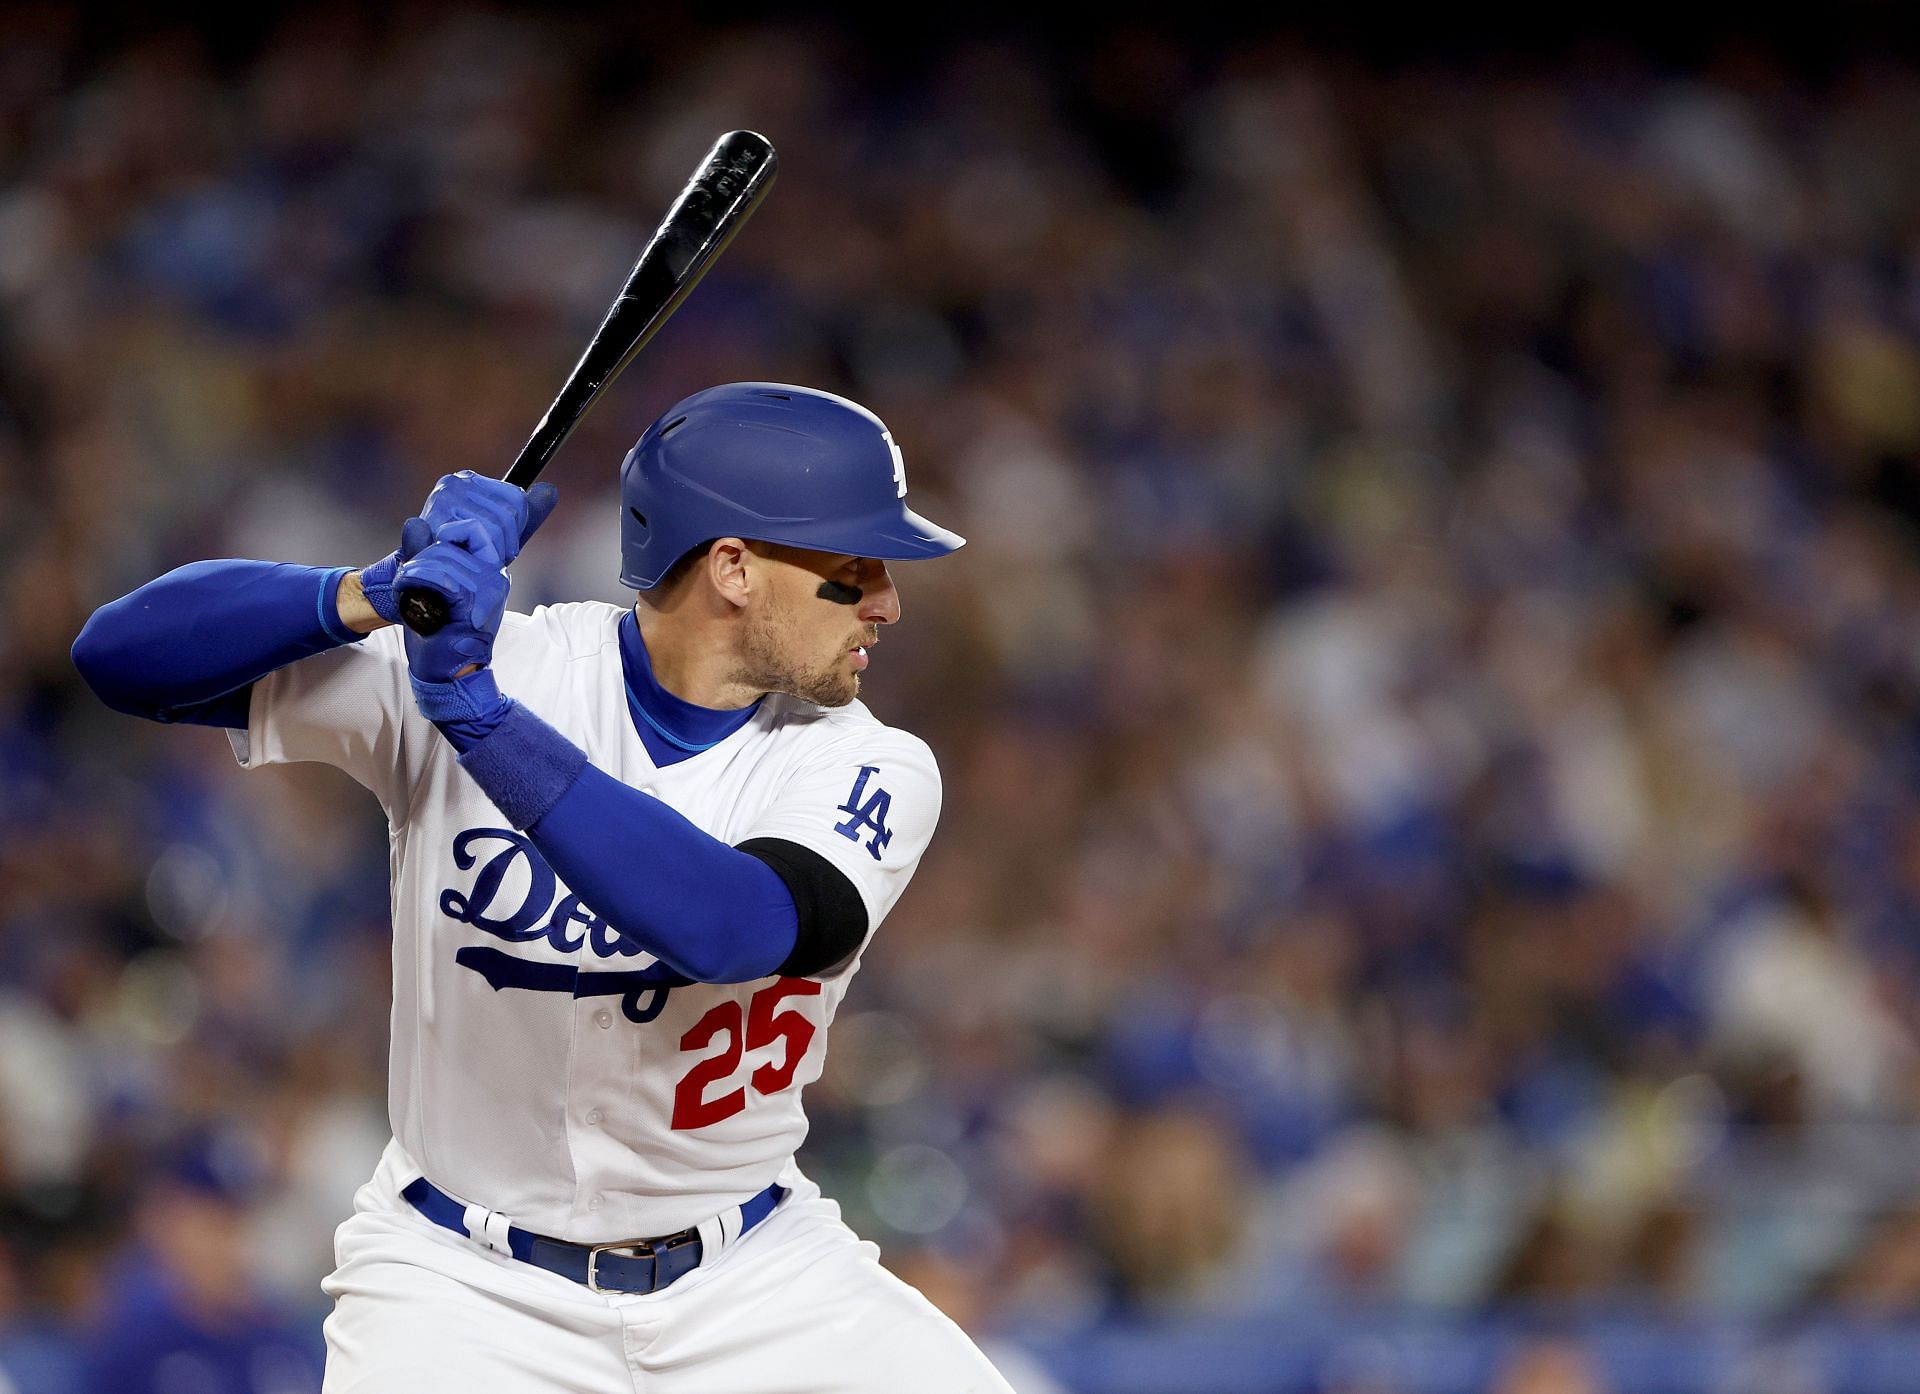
(188, 645)
(707, 910)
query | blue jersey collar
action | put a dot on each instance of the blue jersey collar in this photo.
(670, 728)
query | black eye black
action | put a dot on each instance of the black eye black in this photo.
(839, 594)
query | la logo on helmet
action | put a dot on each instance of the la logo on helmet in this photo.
(899, 466)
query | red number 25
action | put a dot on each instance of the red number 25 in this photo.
(764, 1025)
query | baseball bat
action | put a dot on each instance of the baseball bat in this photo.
(724, 191)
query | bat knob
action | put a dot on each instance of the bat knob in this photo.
(424, 611)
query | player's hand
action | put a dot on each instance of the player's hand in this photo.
(462, 566)
(509, 513)
(376, 581)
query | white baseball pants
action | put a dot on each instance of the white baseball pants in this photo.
(798, 1305)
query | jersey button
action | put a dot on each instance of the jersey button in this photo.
(594, 1115)
(593, 1201)
(603, 1019)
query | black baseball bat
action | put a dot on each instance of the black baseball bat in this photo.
(722, 194)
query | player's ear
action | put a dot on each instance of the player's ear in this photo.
(730, 568)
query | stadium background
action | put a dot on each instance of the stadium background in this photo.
(1428, 892)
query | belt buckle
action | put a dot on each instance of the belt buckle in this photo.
(633, 1248)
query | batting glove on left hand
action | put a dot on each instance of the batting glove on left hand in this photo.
(508, 513)
(463, 568)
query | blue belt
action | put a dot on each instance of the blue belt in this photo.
(631, 1265)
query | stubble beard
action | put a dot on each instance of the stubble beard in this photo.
(766, 665)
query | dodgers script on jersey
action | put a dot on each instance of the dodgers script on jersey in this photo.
(541, 1064)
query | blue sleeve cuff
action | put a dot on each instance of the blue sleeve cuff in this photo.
(523, 765)
(330, 622)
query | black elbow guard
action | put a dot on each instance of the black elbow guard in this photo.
(833, 918)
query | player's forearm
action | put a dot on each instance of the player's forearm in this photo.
(707, 910)
(205, 631)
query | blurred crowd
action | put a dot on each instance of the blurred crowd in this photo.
(1430, 708)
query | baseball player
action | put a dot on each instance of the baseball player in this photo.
(636, 857)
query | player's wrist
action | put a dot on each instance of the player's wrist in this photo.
(374, 585)
(521, 763)
(378, 604)
(355, 605)
(472, 697)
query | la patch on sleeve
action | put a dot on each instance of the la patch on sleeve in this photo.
(867, 812)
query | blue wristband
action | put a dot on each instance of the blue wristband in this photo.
(523, 765)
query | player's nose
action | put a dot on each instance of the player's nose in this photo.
(880, 603)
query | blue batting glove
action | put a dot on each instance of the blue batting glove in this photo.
(376, 581)
(509, 513)
(463, 568)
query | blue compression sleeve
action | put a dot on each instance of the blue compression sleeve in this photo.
(189, 645)
(705, 909)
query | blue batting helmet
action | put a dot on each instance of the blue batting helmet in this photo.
(770, 462)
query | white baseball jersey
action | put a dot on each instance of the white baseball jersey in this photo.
(531, 1071)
